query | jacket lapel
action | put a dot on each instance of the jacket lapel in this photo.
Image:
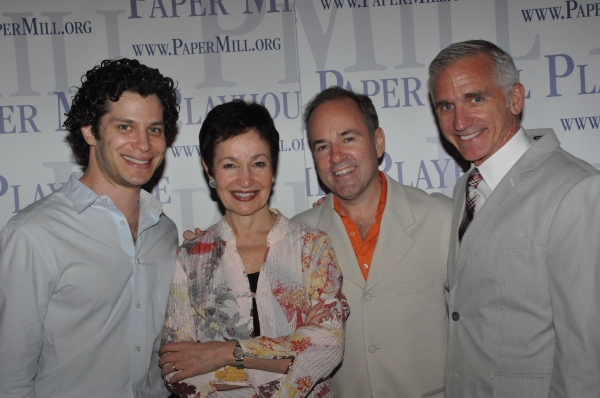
(498, 199)
(393, 242)
(331, 223)
(457, 214)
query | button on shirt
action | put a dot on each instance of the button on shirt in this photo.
(82, 306)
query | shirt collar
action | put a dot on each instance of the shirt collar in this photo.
(80, 194)
(498, 165)
(83, 197)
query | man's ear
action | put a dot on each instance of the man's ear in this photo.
(88, 136)
(379, 142)
(517, 99)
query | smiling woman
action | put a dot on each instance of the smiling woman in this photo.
(256, 306)
(243, 174)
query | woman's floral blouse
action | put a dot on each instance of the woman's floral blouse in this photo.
(210, 299)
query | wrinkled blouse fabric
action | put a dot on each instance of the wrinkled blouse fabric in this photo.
(210, 299)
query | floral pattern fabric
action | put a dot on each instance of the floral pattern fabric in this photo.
(210, 299)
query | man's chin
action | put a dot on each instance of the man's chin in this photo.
(345, 194)
(138, 181)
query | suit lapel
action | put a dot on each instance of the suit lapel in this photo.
(497, 200)
(393, 242)
(457, 214)
(488, 211)
(331, 223)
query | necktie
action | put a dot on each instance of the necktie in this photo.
(474, 179)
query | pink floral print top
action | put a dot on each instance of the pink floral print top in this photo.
(210, 299)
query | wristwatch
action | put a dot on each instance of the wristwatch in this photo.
(238, 355)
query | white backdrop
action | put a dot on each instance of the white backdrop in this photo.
(281, 53)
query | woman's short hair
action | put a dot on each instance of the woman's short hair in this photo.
(236, 118)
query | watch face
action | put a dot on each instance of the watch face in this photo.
(238, 353)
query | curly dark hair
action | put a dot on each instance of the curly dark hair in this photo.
(235, 118)
(107, 82)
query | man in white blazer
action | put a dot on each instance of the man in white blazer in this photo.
(391, 244)
(524, 281)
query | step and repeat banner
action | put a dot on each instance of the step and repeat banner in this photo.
(281, 53)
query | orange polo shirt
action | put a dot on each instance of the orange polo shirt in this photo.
(364, 249)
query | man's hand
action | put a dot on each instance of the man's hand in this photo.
(191, 359)
(187, 235)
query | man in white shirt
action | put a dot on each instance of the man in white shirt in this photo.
(85, 272)
(524, 263)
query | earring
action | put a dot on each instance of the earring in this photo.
(212, 183)
(273, 180)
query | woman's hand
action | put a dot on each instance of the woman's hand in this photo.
(313, 317)
(191, 359)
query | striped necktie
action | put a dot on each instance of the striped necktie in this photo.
(472, 182)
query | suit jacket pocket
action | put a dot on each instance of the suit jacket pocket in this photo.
(507, 385)
(414, 286)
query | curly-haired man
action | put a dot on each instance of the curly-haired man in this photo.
(85, 272)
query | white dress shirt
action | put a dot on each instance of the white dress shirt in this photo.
(496, 166)
(81, 307)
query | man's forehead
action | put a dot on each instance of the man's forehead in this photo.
(340, 111)
(128, 96)
(469, 76)
(480, 66)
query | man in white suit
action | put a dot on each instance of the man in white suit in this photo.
(391, 244)
(524, 296)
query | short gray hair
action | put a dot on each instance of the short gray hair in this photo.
(506, 71)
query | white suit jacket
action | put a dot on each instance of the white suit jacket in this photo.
(524, 298)
(397, 330)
